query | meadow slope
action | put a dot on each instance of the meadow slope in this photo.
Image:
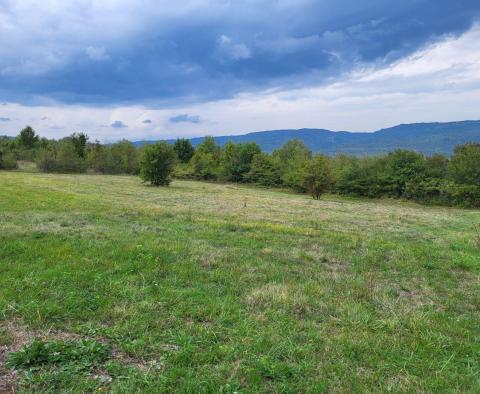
(226, 288)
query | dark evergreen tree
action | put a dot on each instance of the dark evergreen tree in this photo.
(184, 149)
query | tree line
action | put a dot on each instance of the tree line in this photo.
(406, 174)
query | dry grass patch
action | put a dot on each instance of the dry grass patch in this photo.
(280, 296)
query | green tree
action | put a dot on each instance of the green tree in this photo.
(362, 177)
(27, 138)
(237, 159)
(97, 158)
(61, 157)
(79, 141)
(125, 157)
(289, 160)
(464, 165)
(263, 171)
(402, 167)
(208, 145)
(67, 158)
(157, 163)
(436, 166)
(184, 149)
(206, 160)
(318, 176)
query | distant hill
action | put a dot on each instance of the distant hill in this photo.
(422, 137)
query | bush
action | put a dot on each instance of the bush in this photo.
(206, 160)
(289, 160)
(46, 160)
(402, 167)
(318, 176)
(467, 196)
(263, 171)
(8, 161)
(184, 150)
(362, 177)
(62, 158)
(27, 138)
(464, 166)
(157, 163)
(237, 160)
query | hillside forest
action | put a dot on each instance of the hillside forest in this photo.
(404, 174)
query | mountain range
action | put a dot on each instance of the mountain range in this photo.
(427, 138)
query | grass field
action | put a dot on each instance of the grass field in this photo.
(205, 288)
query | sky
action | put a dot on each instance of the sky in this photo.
(156, 69)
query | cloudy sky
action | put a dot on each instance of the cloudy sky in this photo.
(161, 69)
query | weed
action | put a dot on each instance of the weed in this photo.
(84, 354)
(477, 236)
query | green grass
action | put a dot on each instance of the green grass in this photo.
(193, 292)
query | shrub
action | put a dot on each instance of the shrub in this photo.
(318, 176)
(46, 160)
(8, 161)
(184, 150)
(464, 165)
(362, 177)
(289, 160)
(27, 138)
(206, 160)
(263, 171)
(157, 163)
(237, 160)
(68, 160)
(79, 141)
(123, 158)
(62, 158)
(401, 167)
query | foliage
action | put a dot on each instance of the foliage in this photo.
(464, 165)
(318, 176)
(8, 161)
(263, 171)
(79, 141)
(85, 354)
(62, 158)
(399, 174)
(184, 150)
(401, 167)
(119, 158)
(237, 159)
(289, 160)
(206, 160)
(157, 163)
(27, 138)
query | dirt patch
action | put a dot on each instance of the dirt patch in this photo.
(17, 335)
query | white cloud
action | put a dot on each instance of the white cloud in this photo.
(232, 50)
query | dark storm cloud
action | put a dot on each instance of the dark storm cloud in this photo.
(185, 118)
(157, 52)
(118, 124)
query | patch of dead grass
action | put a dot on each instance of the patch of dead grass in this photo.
(279, 296)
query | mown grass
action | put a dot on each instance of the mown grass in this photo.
(226, 288)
